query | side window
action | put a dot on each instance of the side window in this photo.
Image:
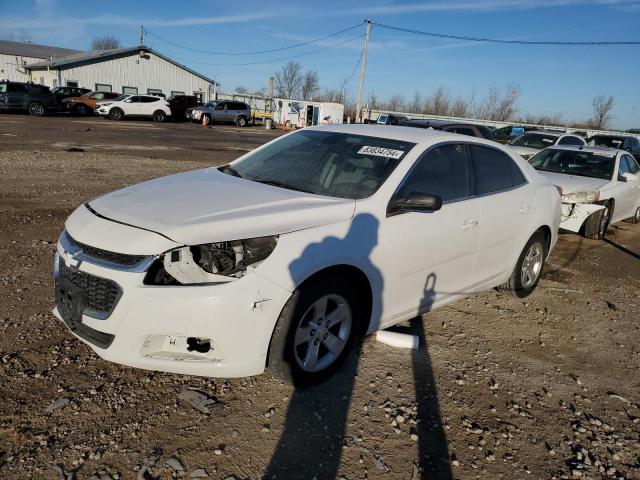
(134, 99)
(443, 171)
(220, 106)
(494, 171)
(16, 88)
(625, 166)
(634, 167)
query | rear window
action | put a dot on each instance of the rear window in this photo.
(534, 140)
(15, 88)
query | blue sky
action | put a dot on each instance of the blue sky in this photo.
(551, 79)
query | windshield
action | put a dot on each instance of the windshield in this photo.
(210, 104)
(121, 97)
(534, 140)
(570, 162)
(325, 163)
(611, 142)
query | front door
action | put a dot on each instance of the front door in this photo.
(627, 191)
(432, 254)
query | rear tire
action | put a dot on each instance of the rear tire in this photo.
(116, 114)
(241, 121)
(81, 110)
(528, 270)
(635, 219)
(596, 224)
(159, 116)
(36, 109)
(306, 347)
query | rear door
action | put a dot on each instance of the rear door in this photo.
(16, 96)
(506, 202)
(432, 253)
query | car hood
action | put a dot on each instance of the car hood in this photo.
(574, 183)
(523, 151)
(207, 205)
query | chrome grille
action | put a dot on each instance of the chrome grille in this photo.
(114, 257)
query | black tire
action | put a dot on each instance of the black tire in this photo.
(116, 114)
(241, 121)
(283, 360)
(515, 286)
(82, 110)
(635, 219)
(159, 116)
(36, 109)
(596, 224)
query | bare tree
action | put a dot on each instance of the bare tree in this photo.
(460, 108)
(416, 103)
(373, 103)
(289, 80)
(506, 106)
(241, 90)
(438, 103)
(395, 103)
(106, 42)
(310, 85)
(602, 107)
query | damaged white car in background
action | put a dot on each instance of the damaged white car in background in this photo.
(282, 258)
(599, 186)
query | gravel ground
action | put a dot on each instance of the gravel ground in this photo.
(545, 387)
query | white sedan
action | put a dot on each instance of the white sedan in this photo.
(149, 106)
(600, 186)
(531, 142)
(283, 257)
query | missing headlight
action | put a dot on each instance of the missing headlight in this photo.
(210, 262)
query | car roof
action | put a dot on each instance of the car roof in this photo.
(551, 133)
(437, 123)
(612, 135)
(392, 132)
(586, 148)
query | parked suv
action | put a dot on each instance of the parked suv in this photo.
(622, 142)
(179, 105)
(469, 129)
(151, 106)
(61, 93)
(86, 104)
(223, 111)
(30, 97)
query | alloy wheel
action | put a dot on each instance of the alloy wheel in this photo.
(322, 333)
(531, 265)
(36, 109)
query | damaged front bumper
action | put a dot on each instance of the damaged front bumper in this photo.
(215, 330)
(574, 215)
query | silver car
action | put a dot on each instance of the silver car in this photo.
(223, 111)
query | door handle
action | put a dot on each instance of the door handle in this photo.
(525, 208)
(469, 224)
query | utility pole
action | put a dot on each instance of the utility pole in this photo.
(141, 35)
(363, 70)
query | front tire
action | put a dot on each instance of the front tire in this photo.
(636, 217)
(159, 116)
(315, 332)
(596, 224)
(82, 110)
(528, 270)
(36, 109)
(116, 114)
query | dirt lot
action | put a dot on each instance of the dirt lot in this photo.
(548, 387)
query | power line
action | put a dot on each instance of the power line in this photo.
(495, 40)
(273, 59)
(210, 52)
(355, 69)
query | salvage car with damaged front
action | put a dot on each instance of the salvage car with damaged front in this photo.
(600, 186)
(284, 257)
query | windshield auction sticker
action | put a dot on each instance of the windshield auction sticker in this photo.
(381, 152)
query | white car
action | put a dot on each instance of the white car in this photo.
(600, 186)
(531, 142)
(149, 106)
(281, 258)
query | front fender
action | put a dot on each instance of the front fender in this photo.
(574, 214)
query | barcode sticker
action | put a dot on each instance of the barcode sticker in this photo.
(381, 152)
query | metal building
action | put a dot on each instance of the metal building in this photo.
(124, 70)
(15, 56)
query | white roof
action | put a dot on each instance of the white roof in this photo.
(588, 149)
(404, 134)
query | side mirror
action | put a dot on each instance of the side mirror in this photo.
(128, 100)
(414, 202)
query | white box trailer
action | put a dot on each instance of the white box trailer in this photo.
(302, 113)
